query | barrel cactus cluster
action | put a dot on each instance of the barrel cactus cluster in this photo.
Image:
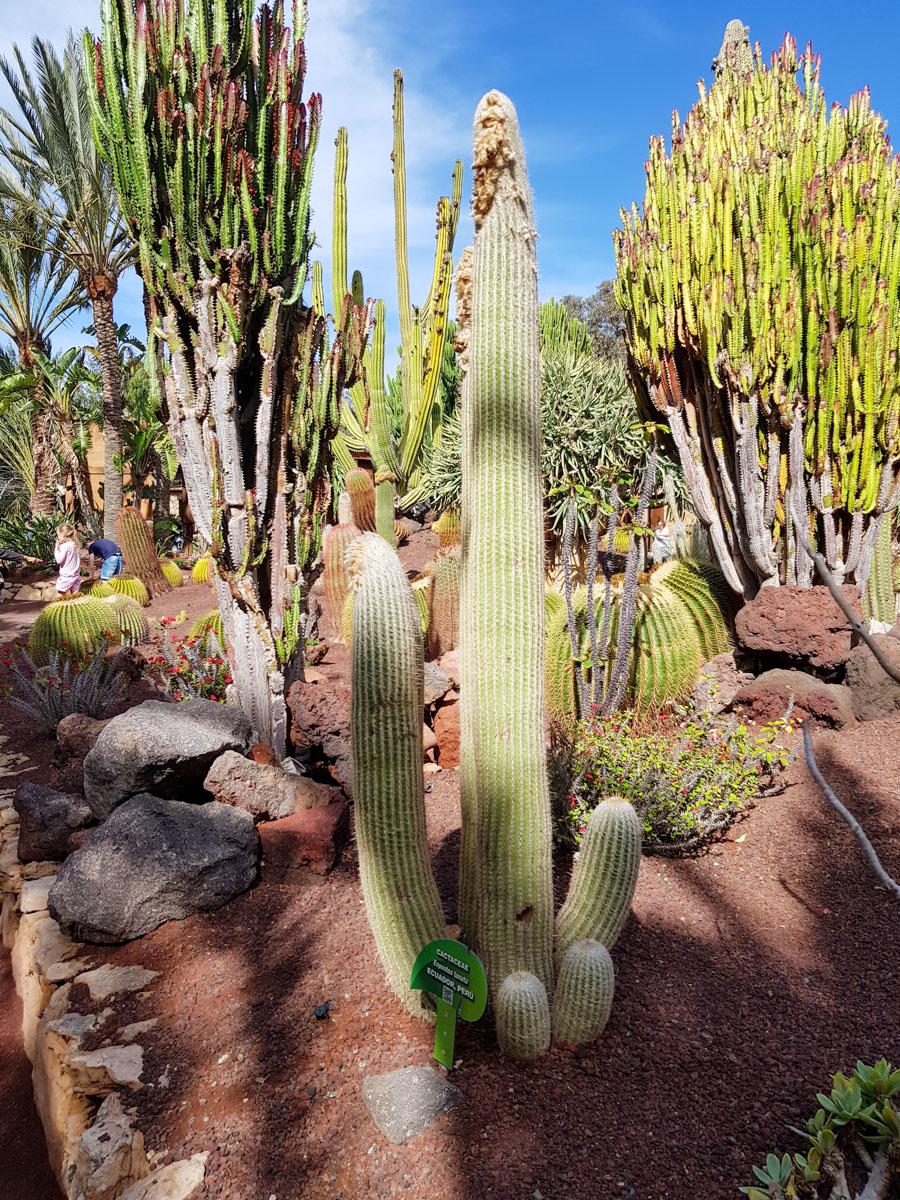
(759, 286)
(130, 586)
(74, 629)
(506, 907)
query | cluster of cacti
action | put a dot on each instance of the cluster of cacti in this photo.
(98, 588)
(172, 572)
(127, 585)
(443, 597)
(202, 571)
(132, 622)
(759, 284)
(682, 609)
(334, 549)
(447, 528)
(199, 108)
(73, 628)
(136, 539)
(878, 600)
(368, 425)
(202, 626)
(506, 892)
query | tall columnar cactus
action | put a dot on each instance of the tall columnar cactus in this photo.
(878, 600)
(72, 628)
(603, 879)
(199, 108)
(368, 424)
(386, 736)
(127, 585)
(384, 507)
(136, 540)
(760, 285)
(337, 583)
(447, 528)
(443, 629)
(361, 490)
(506, 901)
(584, 992)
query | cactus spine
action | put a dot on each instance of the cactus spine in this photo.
(173, 575)
(506, 902)
(584, 992)
(72, 628)
(127, 585)
(523, 1016)
(384, 507)
(139, 553)
(387, 664)
(443, 630)
(603, 879)
(878, 601)
(204, 625)
(447, 528)
(97, 589)
(201, 569)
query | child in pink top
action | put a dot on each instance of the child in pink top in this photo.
(68, 558)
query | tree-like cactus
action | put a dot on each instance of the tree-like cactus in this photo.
(681, 622)
(443, 628)
(337, 585)
(72, 628)
(584, 992)
(447, 528)
(206, 623)
(759, 284)
(392, 429)
(401, 897)
(522, 1013)
(603, 879)
(361, 490)
(132, 622)
(172, 572)
(136, 539)
(506, 894)
(878, 600)
(127, 585)
(199, 108)
(201, 570)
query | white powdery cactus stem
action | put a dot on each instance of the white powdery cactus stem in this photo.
(386, 706)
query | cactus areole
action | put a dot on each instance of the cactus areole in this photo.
(760, 285)
(199, 109)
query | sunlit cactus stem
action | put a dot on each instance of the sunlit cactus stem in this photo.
(136, 541)
(507, 899)
(387, 666)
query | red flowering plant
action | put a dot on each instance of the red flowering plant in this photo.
(689, 773)
(188, 668)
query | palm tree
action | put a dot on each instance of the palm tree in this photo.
(52, 134)
(59, 393)
(37, 294)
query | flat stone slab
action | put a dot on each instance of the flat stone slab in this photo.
(404, 1103)
(177, 1181)
(106, 980)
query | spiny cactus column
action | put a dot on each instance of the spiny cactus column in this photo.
(584, 992)
(387, 666)
(141, 559)
(508, 909)
(361, 490)
(878, 600)
(603, 879)
(337, 584)
(443, 629)
(384, 507)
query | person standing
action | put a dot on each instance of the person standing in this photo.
(68, 558)
(108, 555)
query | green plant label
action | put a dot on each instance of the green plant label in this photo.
(451, 973)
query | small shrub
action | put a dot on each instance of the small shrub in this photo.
(688, 774)
(188, 668)
(91, 685)
(860, 1109)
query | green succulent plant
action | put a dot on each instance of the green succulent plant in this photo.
(74, 629)
(128, 585)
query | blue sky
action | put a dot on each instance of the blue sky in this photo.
(591, 83)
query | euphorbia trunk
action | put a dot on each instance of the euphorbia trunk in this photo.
(101, 289)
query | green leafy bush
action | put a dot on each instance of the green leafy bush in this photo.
(860, 1109)
(689, 774)
(32, 534)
